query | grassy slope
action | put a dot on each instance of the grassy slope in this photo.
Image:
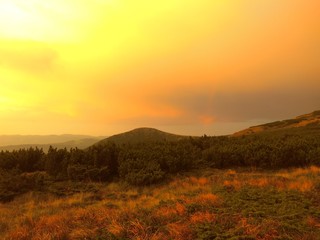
(306, 122)
(207, 204)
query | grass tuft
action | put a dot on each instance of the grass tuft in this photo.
(219, 205)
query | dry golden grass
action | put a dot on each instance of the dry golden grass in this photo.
(303, 185)
(186, 208)
(233, 184)
(179, 231)
(199, 181)
(313, 171)
(203, 217)
(231, 172)
(116, 228)
(313, 222)
(207, 199)
(259, 182)
(300, 179)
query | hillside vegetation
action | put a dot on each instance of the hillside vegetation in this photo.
(141, 135)
(199, 205)
(147, 184)
(147, 156)
(310, 121)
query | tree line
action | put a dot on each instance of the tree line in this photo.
(148, 163)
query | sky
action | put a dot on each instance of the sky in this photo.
(190, 67)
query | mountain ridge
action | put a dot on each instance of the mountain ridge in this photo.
(17, 139)
(302, 121)
(308, 121)
(80, 143)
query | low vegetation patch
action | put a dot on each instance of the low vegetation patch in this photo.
(203, 204)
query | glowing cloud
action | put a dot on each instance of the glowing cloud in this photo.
(192, 67)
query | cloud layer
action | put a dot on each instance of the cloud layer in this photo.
(190, 67)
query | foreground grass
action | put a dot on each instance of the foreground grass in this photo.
(208, 204)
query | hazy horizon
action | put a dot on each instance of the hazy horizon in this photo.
(181, 130)
(187, 67)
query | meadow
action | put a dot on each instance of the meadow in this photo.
(200, 204)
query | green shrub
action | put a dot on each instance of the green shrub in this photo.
(139, 172)
(77, 172)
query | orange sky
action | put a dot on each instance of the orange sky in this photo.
(191, 67)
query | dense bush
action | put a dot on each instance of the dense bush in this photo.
(139, 172)
(77, 172)
(147, 163)
(13, 183)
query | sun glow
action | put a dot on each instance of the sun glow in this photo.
(156, 63)
(38, 20)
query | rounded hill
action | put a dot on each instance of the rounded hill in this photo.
(141, 135)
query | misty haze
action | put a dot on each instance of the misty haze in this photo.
(159, 120)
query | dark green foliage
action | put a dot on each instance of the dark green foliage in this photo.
(26, 160)
(104, 174)
(206, 231)
(93, 174)
(34, 180)
(57, 162)
(139, 172)
(313, 157)
(144, 163)
(82, 173)
(141, 135)
(68, 188)
(77, 172)
(104, 156)
(78, 156)
(268, 150)
(251, 201)
(99, 174)
(288, 207)
(13, 183)
(147, 163)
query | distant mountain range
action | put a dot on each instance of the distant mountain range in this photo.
(15, 142)
(310, 121)
(306, 124)
(141, 135)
